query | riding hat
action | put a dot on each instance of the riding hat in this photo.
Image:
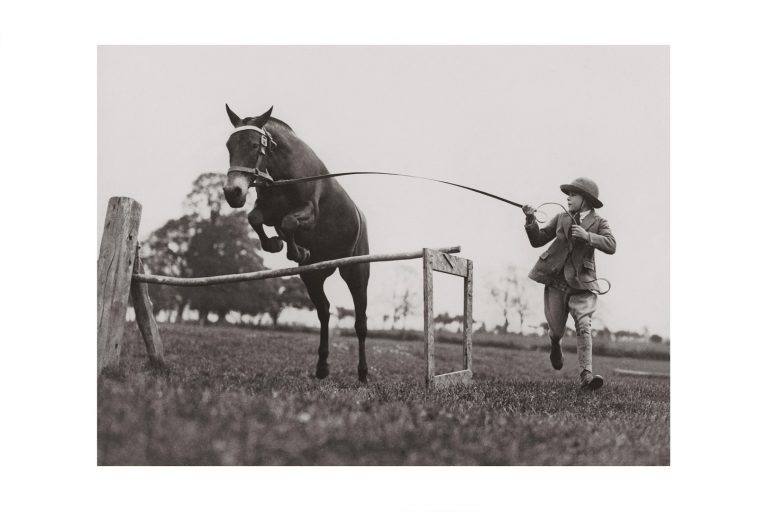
(585, 187)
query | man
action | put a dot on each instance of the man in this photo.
(567, 270)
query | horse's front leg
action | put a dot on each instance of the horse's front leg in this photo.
(256, 220)
(304, 217)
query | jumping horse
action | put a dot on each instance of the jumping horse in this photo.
(318, 221)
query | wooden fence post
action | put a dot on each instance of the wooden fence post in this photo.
(429, 321)
(468, 318)
(145, 316)
(115, 267)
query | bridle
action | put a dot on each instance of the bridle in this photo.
(266, 142)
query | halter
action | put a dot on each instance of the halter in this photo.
(258, 177)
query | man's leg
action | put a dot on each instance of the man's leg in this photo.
(582, 306)
(556, 313)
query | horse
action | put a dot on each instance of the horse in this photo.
(318, 221)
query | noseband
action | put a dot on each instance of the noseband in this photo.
(258, 177)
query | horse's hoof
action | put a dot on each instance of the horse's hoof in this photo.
(322, 371)
(362, 375)
(273, 244)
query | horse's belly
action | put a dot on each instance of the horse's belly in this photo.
(331, 239)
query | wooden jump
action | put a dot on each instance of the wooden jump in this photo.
(282, 272)
(435, 261)
(121, 274)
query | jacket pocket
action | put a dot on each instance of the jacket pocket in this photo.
(589, 264)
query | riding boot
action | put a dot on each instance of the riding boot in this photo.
(590, 382)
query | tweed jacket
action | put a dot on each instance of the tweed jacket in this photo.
(576, 258)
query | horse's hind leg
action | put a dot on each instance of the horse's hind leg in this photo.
(356, 277)
(314, 282)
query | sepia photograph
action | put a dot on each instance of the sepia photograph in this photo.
(383, 255)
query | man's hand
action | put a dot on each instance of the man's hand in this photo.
(579, 233)
(529, 210)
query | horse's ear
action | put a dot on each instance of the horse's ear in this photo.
(236, 121)
(263, 118)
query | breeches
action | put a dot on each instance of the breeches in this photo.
(557, 305)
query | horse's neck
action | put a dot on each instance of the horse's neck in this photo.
(292, 154)
(283, 136)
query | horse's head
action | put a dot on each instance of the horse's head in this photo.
(247, 147)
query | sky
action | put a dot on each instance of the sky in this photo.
(517, 121)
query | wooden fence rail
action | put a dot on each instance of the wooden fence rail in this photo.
(282, 272)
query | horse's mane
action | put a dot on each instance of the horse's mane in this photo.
(278, 121)
(282, 123)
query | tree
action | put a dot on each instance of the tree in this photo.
(290, 292)
(166, 249)
(405, 305)
(164, 252)
(509, 293)
(222, 245)
(459, 319)
(655, 338)
(342, 313)
(442, 320)
(604, 333)
(624, 335)
(404, 299)
(206, 200)
(210, 239)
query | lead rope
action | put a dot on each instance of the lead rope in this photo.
(281, 183)
(293, 181)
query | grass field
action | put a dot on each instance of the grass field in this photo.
(239, 396)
